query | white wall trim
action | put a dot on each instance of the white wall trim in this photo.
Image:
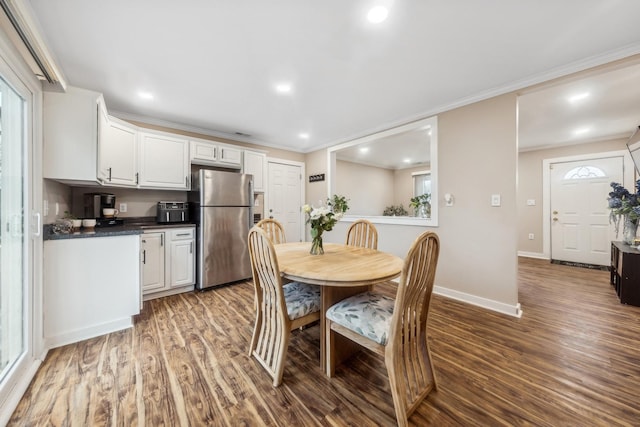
(500, 307)
(536, 255)
(90, 332)
(17, 391)
(628, 174)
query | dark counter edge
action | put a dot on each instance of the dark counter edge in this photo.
(120, 230)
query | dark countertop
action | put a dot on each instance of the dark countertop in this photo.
(131, 226)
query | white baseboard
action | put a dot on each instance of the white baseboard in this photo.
(90, 332)
(500, 307)
(537, 255)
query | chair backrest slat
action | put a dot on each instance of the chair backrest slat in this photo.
(362, 233)
(274, 230)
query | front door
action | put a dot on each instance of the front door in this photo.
(285, 198)
(580, 229)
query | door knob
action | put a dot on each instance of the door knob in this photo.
(555, 212)
(555, 219)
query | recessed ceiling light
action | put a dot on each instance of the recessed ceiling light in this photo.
(283, 87)
(377, 14)
(364, 149)
(303, 135)
(407, 160)
(578, 97)
(145, 95)
(581, 131)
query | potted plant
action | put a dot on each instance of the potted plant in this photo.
(394, 210)
(75, 222)
(422, 205)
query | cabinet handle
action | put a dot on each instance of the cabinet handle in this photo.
(144, 256)
(109, 169)
(186, 181)
(162, 240)
(183, 234)
(191, 247)
(137, 181)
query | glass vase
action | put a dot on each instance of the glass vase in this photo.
(316, 242)
(629, 230)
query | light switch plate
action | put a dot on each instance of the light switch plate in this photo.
(495, 200)
(531, 202)
(123, 207)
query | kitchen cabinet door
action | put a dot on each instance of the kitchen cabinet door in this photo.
(229, 156)
(70, 133)
(164, 161)
(203, 152)
(255, 164)
(118, 152)
(182, 263)
(153, 261)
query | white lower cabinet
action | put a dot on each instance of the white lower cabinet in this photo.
(168, 261)
(91, 287)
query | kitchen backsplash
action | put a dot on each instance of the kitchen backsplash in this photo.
(139, 203)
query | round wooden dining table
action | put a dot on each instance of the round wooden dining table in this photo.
(341, 271)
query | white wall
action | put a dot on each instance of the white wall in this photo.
(369, 189)
(478, 257)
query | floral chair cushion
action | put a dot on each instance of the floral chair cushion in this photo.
(368, 314)
(301, 299)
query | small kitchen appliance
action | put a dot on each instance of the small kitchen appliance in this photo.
(172, 212)
(94, 203)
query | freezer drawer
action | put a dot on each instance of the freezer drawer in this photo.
(223, 254)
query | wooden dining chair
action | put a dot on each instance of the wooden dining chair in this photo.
(274, 230)
(362, 233)
(279, 309)
(394, 328)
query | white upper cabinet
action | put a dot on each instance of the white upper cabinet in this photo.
(118, 152)
(212, 153)
(230, 155)
(70, 133)
(255, 164)
(164, 161)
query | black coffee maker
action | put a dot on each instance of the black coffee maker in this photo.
(94, 203)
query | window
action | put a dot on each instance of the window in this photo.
(584, 172)
(421, 183)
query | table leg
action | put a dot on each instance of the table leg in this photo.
(344, 346)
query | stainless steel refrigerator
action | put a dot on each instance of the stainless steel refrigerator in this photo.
(222, 203)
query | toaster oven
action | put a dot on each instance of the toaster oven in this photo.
(172, 212)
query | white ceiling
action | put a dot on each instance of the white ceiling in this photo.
(212, 65)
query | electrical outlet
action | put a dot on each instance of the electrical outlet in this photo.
(45, 208)
(123, 207)
(531, 202)
(495, 200)
(530, 236)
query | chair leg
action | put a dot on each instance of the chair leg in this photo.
(398, 387)
(330, 354)
(256, 332)
(280, 358)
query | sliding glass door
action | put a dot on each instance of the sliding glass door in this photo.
(13, 236)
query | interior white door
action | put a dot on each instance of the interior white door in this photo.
(285, 198)
(580, 229)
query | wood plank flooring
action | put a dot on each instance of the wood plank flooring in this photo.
(573, 359)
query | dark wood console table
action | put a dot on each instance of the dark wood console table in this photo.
(625, 272)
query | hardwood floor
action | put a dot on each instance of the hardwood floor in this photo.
(573, 359)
